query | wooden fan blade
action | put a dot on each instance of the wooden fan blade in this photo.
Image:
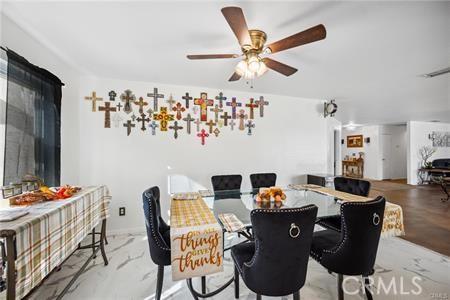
(279, 67)
(211, 56)
(236, 20)
(234, 77)
(310, 35)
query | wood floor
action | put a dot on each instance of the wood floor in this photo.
(426, 217)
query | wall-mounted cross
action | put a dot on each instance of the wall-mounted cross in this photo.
(127, 97)
(216, 111)
(252, 106)
(225, 118)
(179, 109)
(216, 132)
(250, 125)
(163, 117)
(203, 135)
(233, 105)
(107, 109)
(128, 125)
(94, 100)
(155, 97)
(112, 95)
(175, 128)
(133, 117)
(116, 120)
(171, 101)
(141, 103)
(188, 120)
(153, 125)
(187, 98)
(143, 120)
(261, 103)
(211, 124)
(203, 102)
(198, 122)
(221, 98)
(232, 124)
(119, 106)
(242, 116)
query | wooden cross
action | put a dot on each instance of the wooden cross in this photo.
(155, 97)
(119, 106)
(129, 124)
(171, 101)
(232, 123)
(127, 97)
(141, 103)
(188, 120)
(153, 126)
(216, 132)
(179, 109)
(187, 98)
(261, 104)
(242, 116)
(221, 98)
(163, 117)
(203, 102)
(233, 105)
(143, 119)
(225, 118)
(94, 100)
(112, 96)
(216, 111)
(203, 135)
(211, 124)
(107, 109)
(252, 106)
(175, 127)
(198, 122)
(116, 120)
(250, 125)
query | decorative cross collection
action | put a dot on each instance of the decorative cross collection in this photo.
(162, 118)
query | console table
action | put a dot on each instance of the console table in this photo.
(348, 165)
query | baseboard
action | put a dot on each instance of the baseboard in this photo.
(134, 230)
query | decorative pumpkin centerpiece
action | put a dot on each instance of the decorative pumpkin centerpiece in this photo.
(266, 195)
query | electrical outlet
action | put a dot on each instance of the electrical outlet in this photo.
(121, 211)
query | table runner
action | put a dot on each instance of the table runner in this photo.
(196, 239)
(51, 232)
(393, 213)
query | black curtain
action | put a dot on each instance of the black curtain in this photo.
(33, 119)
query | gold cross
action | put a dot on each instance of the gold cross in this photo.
(94, 100)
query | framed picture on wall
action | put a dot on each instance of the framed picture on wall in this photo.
(355, 141)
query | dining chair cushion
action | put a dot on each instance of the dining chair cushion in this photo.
(324, 240)
(226, 182)
(352, 186)
(242, 253)
(330, 222)
(263, 180)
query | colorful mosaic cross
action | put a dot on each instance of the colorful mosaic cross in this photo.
(211, 124)
(261, 103)
(187, 98)
(141, 103)
(203, 135)
(153, 125)
(233, 105)
(252, 106)
(94, 100)
(175, 128)
(221, 98)
(127, 97)
(188, 120)
(250, 125)
(163, 117)
(143, 120)
(179, 109)
(225, 118)
(242, 116)
(155, 97)
(129, 124)
(203, 102)
(107, 109)
(112, 95)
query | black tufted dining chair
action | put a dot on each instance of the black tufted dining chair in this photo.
(158, 234)
(263, 180)
(353, 251)
(347, 185)
(226, 182)
(275, 264)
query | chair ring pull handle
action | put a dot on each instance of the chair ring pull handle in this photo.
(376, 219)
(294, 232)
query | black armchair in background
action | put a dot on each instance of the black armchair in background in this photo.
(353, 251)
(275, 264)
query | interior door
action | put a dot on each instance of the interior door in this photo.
(386, 156)
(337, 152)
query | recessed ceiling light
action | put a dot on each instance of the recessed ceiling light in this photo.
(437, 73)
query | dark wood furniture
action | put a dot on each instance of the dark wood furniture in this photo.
(348, 167)
(325, 180)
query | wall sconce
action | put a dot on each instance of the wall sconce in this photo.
(329, 108)
(367, 140)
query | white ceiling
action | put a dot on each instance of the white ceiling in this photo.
(370, 61)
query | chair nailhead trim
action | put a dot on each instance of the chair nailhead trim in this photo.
(152, 229)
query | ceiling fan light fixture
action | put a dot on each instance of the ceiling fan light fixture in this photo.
(251, 67)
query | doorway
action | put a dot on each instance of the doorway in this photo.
(386, 156)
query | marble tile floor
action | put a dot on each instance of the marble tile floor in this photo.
(132, 275)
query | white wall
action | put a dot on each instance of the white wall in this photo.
(290, 140)
(20, 41)
(417, 137)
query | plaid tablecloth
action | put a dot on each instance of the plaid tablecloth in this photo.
(51, 232)
(196, 239)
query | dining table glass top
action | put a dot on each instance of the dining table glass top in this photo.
(241, 203)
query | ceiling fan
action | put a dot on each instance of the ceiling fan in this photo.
(252, 44)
